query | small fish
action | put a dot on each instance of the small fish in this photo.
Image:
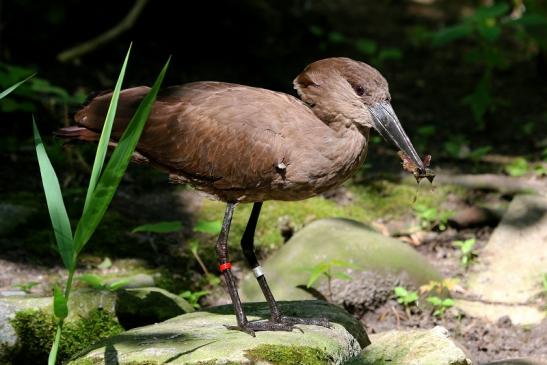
(411, 167)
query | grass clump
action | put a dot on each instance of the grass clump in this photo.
(288, 355)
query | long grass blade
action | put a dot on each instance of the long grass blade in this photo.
(52, 359)
(105, 134)
(115, 169)
(55, 203)
(5, 93)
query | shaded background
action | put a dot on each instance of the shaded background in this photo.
(467, 79)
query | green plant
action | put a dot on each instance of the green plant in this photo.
(467, 251)
(431, 217)
(518, 167)
(35, 91)
(102, 186)
(440, 305)
(160, 227)
(27, 287)
(405, 297)
(545, 283)
(325, 269)
(193, 297)
(483, 30)
(96, 282)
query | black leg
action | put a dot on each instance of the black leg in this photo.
(247, 245)
(222, 251)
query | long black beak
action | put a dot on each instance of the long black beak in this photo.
(387, 124)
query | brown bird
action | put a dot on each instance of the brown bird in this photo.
(243, 144)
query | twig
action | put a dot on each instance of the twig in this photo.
(105, 37)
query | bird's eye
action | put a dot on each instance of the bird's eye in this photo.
(359, 90)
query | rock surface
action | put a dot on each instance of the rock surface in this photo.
(129, 307)
(507, 278)
(202, 338)
(413, 347)
(340, 239)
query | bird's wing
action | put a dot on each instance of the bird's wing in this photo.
(233, 136)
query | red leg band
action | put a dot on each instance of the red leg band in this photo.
(225, 266)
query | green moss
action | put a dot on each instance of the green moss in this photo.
(288, 355)
(36, 329)
(370, 202)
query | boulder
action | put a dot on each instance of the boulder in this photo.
(202, 338)
(28, 323)
(413, 347)
(287, 270)
(508, 275)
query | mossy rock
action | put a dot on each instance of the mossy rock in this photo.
(202, 338)
(288, 271)
(36, 329)
(27, 325)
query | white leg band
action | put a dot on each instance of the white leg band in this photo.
(258, 271)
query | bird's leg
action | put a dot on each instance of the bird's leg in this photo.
(247, 245)
(225, 267)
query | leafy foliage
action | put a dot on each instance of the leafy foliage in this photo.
(431, 217)
(440, 305)
(160, 227)
(405, 297)
(193, 297)
(484, 29)
(96, 282)
(468, 253)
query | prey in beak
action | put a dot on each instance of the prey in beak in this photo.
(385, 121)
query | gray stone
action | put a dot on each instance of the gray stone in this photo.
(518, 362)
(202, 338)
(340, 239)
(131, 307)
(413, 347)
(507, 277)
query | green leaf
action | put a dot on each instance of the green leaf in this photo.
(161, 227)
(390, 54)
(105, 134)
(436, 301)
(211, 227)
(115, 169)
(517, 167)
(366, 46)
(341, 263)
(55, 203)
(342, 276)
(92, 280)
(118, 284)
(106, 264)
(316, 273)
(400, 291)
(60, 307)
(4, 93)
(450, 34)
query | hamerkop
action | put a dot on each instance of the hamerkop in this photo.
(243, 144)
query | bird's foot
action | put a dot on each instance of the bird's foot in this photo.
(284, 323)
(255, 326)
(321, 321)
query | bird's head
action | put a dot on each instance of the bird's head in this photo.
(354, 93)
